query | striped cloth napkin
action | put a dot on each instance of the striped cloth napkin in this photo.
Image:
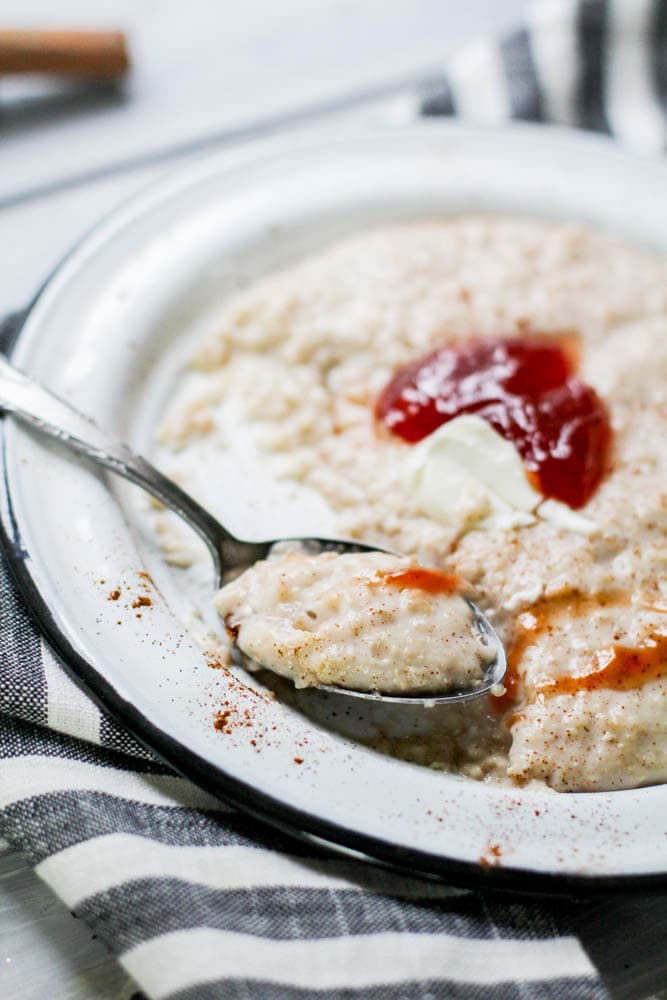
(594, 64)
(199, 901)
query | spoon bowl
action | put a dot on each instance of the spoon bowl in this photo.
(41, 409)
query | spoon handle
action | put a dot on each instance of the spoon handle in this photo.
(54, 417)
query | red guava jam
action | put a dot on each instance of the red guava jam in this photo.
(527, 390)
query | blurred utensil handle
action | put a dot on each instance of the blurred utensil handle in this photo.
(100, 55)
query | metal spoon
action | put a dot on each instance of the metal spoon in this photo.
(54, 417)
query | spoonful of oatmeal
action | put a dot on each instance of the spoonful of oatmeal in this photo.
(339, 616)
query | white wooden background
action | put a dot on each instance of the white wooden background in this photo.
(206, 71)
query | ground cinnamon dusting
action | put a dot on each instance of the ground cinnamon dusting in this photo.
(232, 717)
(142, 602)
(114, 595)
(215, 664)
(495, 855)
(221, 720)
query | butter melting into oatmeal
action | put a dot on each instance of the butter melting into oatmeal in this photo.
(572, 568)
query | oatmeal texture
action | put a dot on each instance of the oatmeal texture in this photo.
(356, 621)
(302, 356)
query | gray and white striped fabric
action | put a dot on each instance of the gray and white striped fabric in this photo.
(594, 64)
(199, 901)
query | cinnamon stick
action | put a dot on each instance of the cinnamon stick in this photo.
(98, 55)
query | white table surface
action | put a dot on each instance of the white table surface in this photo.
(205, 72)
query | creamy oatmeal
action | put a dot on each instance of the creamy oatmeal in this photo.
(367, 621)
(578, 590)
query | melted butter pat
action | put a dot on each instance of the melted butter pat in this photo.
(465, 473)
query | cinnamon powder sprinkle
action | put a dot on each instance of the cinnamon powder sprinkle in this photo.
(215, 664)
(221, 720)
(232, 717)
(142, 602)
(496, 854)
(114, 595)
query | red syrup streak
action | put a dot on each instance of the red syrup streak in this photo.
(433, 581)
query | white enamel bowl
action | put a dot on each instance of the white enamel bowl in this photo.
(110, 332)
